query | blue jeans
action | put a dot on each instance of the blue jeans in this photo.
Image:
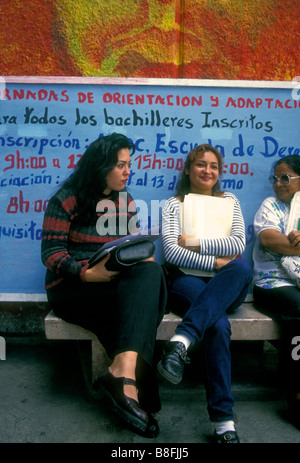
(205, 304)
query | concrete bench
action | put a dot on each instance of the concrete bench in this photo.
(247, 324)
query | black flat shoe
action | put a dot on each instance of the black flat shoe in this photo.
(228, 437)
(172, 363)
(125, 407)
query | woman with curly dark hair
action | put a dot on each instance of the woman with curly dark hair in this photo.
(122, 308)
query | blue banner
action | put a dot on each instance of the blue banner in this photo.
(46, 127)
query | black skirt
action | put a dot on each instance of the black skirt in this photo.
(123, 313)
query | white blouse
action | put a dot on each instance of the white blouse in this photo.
(272, 214)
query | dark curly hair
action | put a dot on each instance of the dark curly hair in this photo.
(88, 181)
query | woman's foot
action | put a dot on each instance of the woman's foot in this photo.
(173, 360)
(129, 388)
(228, 437)
(124, 366)
(225, 432)
(126, 407)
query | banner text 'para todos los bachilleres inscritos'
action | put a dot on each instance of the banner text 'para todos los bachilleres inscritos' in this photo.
(45, 129)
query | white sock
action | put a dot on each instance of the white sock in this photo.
(224, 426)
(181, 338)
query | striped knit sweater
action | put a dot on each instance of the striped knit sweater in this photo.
(209, 248)
(67, 244)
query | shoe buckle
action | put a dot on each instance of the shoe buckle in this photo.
(184, 357)
(228, 436)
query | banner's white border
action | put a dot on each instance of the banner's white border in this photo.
(147, 81)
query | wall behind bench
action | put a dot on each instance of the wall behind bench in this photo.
(47, 123)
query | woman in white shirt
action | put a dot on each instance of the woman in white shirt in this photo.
(273, 289)
(204, 301)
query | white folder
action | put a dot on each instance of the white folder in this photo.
(204, 216)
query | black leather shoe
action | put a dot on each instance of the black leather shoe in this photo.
(228, 437)
(172, 364)
(125, 407)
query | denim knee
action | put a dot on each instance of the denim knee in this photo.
(242, 268)
(220, 331)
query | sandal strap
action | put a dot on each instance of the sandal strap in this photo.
(130, 381)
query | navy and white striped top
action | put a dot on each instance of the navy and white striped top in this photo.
(209, 248)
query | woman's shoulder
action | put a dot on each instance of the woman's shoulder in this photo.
(269, 200)
(64, 196)
(272, 205)
(129, 195)
(229, 195)
(173, 200)
(172, 203)
(63, 192)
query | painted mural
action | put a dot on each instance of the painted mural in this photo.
(203, 39)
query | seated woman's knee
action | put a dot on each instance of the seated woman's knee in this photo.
(221, 327)
(148, 271)
(242, 268)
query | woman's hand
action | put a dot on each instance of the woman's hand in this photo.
(150, 259)
(221, 261)
(187, 242)
(294, 238)
(99, 273)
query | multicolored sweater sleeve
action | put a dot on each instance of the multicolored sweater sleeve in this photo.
(209, 248)
(67, 244)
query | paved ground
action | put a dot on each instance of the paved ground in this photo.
(44, 400)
